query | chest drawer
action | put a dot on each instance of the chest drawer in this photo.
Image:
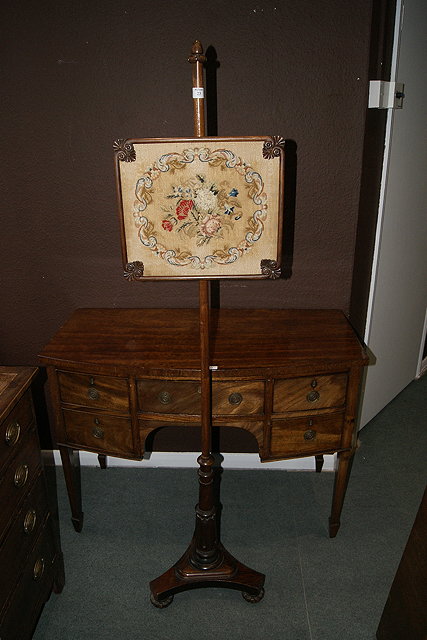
(98, 432)
(18, 620)
(97, 392)
(21, 536)
(306, 435)
(18, 477)
(308, 393)
(184, 397)
(14, 427)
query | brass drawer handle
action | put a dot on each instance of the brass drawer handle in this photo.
(313, 396)
(97, 432)
(235, 398)
(165, 397)
(310, 434)
(93, 393)
(21, 475)
(12, 434)
(30, 521)
(38, 569)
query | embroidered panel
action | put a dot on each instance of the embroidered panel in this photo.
(200, 208)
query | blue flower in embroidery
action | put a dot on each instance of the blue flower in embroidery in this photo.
(229, 211)
(233, 193)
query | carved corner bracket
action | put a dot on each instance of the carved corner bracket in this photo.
(273, 147)
(134, 271)
(270, 269)
(124, 150)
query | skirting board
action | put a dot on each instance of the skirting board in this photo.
(167, 459)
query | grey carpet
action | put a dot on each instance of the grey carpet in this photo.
(139, 521)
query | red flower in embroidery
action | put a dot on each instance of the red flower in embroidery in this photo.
(167, 225)
(183, 209)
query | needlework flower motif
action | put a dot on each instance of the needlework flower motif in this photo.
(183, 209)
(167, 225)
(202, 210)
(206, 200)
(210, 225)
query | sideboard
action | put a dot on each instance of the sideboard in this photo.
(289, 377)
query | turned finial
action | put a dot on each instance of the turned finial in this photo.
(196, 54)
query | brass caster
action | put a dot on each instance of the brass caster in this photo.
(251, 598)
(160, 604)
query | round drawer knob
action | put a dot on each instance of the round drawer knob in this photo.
(97, 432)
(235, 398)
(310, 434)
(313, 396)
(93, 393)
(38, 568)
(12, 434)
(30, 521)
(165, 397)
(21, 475)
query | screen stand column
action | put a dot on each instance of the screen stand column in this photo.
(206, 563)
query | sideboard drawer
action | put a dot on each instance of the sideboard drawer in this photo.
(239, 398)
(306, 435)
(169, 396)
(100, 392)
(14, 427)
(99, 432)
(184, 397)
(308, 393)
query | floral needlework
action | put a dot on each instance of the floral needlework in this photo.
(199, 208)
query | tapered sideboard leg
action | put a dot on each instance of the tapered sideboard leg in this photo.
(342, 474)
(319, 463)
(71, 466)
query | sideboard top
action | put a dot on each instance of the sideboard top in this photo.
(142, 340)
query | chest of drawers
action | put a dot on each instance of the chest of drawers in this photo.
(289, 377)
(30, 558)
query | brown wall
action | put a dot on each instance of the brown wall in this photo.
(78, 75)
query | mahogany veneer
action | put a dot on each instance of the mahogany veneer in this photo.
(290, 377)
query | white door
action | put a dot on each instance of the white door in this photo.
(398, 300)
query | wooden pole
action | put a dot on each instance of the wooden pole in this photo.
(197, 59)
(205, 552)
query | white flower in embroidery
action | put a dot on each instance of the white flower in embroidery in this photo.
(206, 201)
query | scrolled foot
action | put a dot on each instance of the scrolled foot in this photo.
(253, 598)
(160, 604)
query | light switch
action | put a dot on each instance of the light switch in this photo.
(385, 95)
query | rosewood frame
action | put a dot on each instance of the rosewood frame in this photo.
(269, 265)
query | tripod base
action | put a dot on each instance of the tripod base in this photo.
(226, 572)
